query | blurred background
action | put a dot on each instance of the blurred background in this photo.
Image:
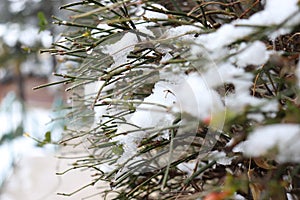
(27, 171)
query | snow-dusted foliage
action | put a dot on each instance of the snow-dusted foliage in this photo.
(171, 95)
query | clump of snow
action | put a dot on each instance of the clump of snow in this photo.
(46, 38)
(91, 90)
(220, 157)
(238, 197)
(188, 168)
(215, 46)
(256, 117)
(129, 141)
(185, 33)
(275, 13)
(103, 26)
(270, 106)
(241, 97)
(155, 15)
(11, 35)
(225, 35)
(166, 58)
(189, 95)
(143, 25)
(154, 111)
(196, 98)
(17, 6)
(253, 54)
(282, 140)
(143, 28)
(181, 30)
(102, 29)
(217, 75)
(28, 36)
(120, 50)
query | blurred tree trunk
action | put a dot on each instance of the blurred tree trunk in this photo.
(19, 80)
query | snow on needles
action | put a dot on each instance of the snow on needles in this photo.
(195, 93)
(275, 13)
(155, 15)
(282, 140)
(216, 46)
(154, 112)
(188, 95)
(120, 50)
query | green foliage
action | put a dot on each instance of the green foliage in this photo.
(47, 139)
(43, 23)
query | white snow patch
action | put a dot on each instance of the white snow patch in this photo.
(220, 157)
(224, 36)
(223, 73)
(142, 27)
(156, 112)
(238, 101)
(196, 98)
(238, 197)
(281, 139)
(100, 33)
(270, 106)
(187, 167)
(91, 90)
(11, 34)
(184, 33)
(153, 112)
(17, 6)
(256, 116)
(155, 15)
(253, 54)
(275, 13)
(120, 50)
(166, 58)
